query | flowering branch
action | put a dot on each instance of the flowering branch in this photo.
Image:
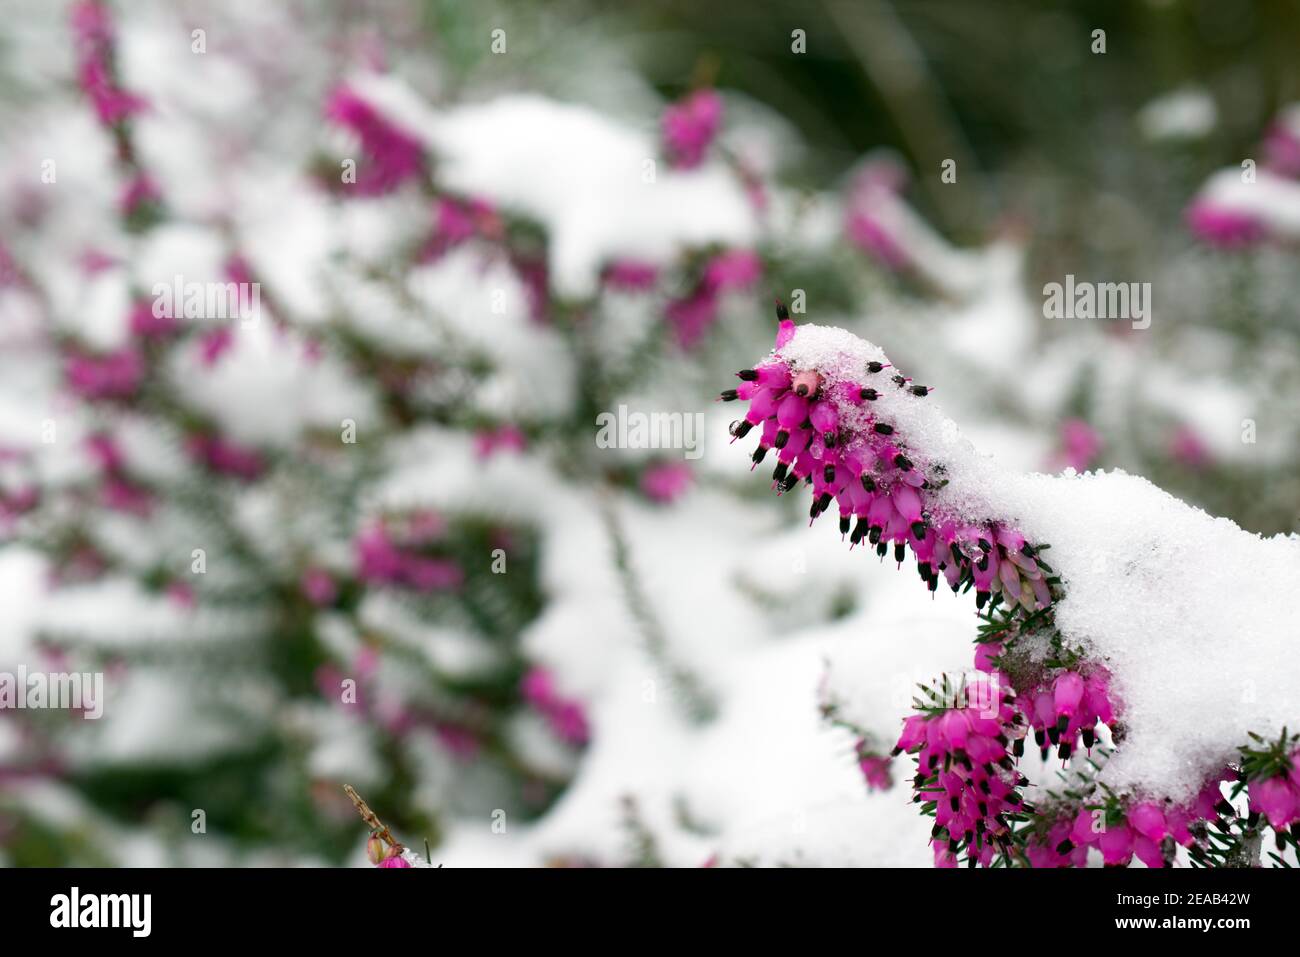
(839, 418)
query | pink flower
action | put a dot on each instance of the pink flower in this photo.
(690, 127)
(1277, 799)
(1223, 227)
(1116, 843)
(225, 457)
(878, 484)
(456, 221)
(391, 155)
(395, 861)
(875, 771)
(1188, 449)
(506, 438)
(871, 201)
(114, 375)
(139, 191)
(565, 716)
(1147, 819)
(120, 495)
(214, 344)
(631, 275)
(1080, 444)
(380, 560)
(870, 235)
(92, 32)
(985, 654)
(318, 586)
(105, 452)
(736, 269)
(690, 318)
(535, 276)
(666, 482)
(146, 325)
(181, 594)
(1282, 150)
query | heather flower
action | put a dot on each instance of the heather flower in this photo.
(1080, 444)
(146, 325)
(506, 438)
(395, 861)
(392, 156)
(318, 586)
(114, 375)
(691, 316)
(120, 495)
(1277, 798)
(379, 559)
(16, 503)
(1282, 144)
(456, 221)
(631, 275)
(734, 270)
(965, 773)
(1189, 449)
(181, 594)
(870, 222)
(690, 127)
(92, 32)
(666, 481)
(140, 190)
(566, 717)
(534, 274)
(874, 768)
(214, 344)
(824, 429)
(225, 457)
(1223, 227)
(1067, 710)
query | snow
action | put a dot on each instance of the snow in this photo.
(567, 167)
(1183, 114)
(269, 388)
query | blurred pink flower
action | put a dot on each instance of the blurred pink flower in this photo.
(1080, 445)
(114, 375)
(225, 457)
(92, 33)
(666, 482)
(565, 716)
(1187, 448)
(631, 275)
(146, 325)
(690, 127)
(380, 560)
(734, 270)
(318, 586)
(1282, 150)
(1222, 227)
(505, 438)
(392, 156)
(139, 190)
